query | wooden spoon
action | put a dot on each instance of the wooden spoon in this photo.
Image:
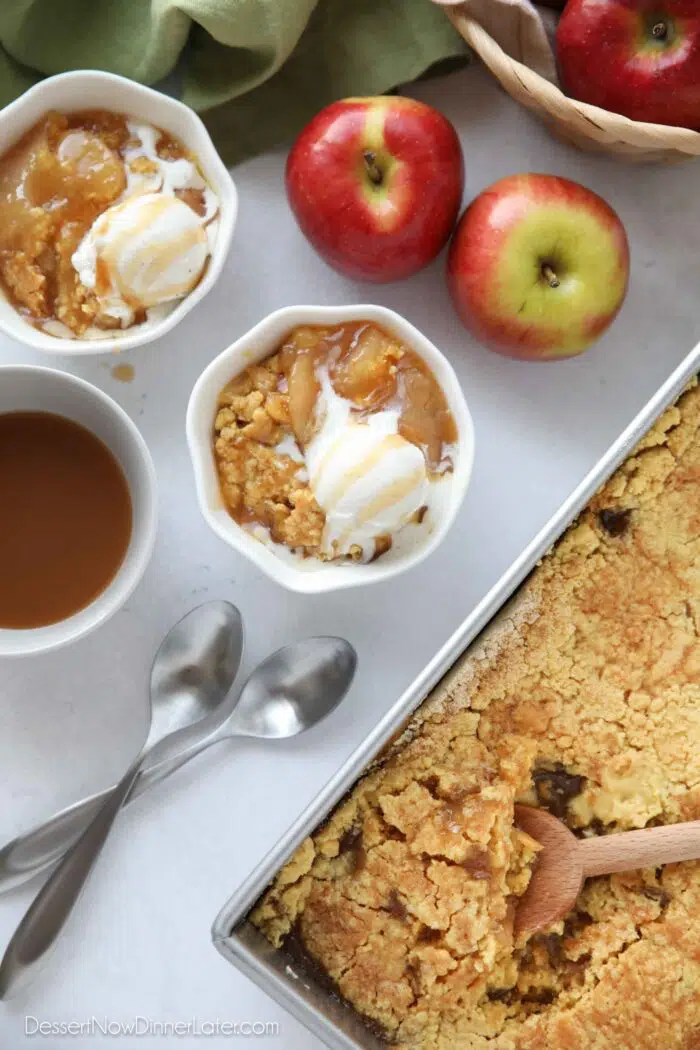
(565, 862)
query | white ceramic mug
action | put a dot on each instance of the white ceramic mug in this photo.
(25, 388)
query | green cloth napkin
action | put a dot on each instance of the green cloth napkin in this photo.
(256, 70)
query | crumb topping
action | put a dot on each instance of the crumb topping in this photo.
(65, 172)
(259, 481)
(584, 698)
(270, 414)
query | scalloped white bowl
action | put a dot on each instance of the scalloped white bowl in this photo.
(310, 576)
(93, 89)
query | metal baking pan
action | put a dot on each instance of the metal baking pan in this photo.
(290, 982)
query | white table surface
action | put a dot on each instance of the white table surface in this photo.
(139, 944)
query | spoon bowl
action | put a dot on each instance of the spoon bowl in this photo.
(295, 688)
(565, 862)
(192, 675)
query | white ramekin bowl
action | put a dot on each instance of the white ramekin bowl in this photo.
(312, 576)
(29, 388)
(92, 89)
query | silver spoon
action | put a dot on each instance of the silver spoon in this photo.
(288, 693)
(195, 665)
(291, 691)
(198, 659)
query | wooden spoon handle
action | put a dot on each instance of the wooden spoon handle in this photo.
(647, 848)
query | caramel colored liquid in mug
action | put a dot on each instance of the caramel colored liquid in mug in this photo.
(65, 518)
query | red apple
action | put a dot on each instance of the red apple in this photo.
(376, 185)
(538, 267)
(640, 58)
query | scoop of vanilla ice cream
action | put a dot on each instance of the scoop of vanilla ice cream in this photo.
(368, 479)
(145, 251)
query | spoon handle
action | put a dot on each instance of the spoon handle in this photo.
(42, 846)
(39, 929)
(647, 848)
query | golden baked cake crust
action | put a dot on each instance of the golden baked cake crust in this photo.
(585, 698)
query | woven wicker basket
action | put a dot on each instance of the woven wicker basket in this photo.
(587, 127)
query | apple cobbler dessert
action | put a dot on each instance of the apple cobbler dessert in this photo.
(105, 223)
(337, 446)
(584, 698)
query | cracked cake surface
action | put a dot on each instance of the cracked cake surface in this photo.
(584, 697)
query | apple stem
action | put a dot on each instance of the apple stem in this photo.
(550, 276)
(373, 169)
(659, 30)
